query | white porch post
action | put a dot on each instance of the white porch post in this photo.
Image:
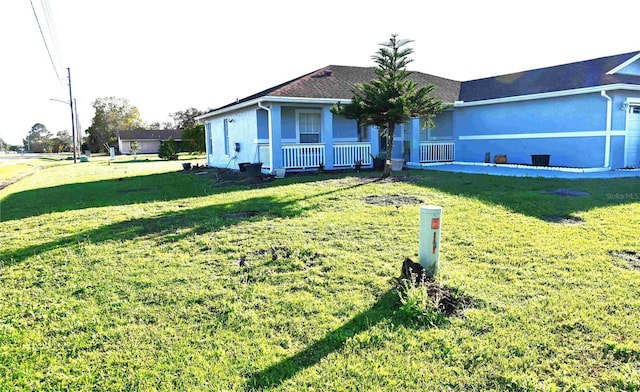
(275, 137)
(415, 140)
(327, 136)
(374, 138)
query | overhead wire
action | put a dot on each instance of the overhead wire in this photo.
(45, 43)
(51, 27)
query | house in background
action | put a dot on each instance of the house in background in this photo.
(149, 141)
(584, 114)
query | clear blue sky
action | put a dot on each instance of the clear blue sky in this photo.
(165, 56)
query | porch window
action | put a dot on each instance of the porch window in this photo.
(308, 124)
(434, 133)
(363, 133)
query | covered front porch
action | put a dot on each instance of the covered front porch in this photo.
(304, 137)
(342, 155)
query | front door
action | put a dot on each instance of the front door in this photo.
(632, 140)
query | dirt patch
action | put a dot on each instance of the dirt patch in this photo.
(564, 219)
(629, 258)
(567, 192)
(241, 215)
(392, 200)
(450, 301)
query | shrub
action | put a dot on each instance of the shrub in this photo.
(169, 150)
(418, 306)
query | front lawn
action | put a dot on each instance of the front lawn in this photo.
(137, 276)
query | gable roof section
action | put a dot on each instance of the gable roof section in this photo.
(583, 74)
(338, 81)
(150, 134)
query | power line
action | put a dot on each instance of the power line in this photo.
(45, 43)
(53, 34)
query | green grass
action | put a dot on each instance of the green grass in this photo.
(135, 276)
(16, 168)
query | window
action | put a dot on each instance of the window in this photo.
(308, 125)
(226, 136)
(363, 133)
(207, 127)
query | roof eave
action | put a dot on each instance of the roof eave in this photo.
(274, 99)
(552, 94)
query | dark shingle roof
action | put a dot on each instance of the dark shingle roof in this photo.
(589, 73)
(151, 134)
(337, 82)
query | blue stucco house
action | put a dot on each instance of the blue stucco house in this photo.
(583, 115)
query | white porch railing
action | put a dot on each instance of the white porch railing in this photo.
(437, 151)
(347, 154)
(303, 155)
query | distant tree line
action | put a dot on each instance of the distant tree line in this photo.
(113, 114)
(40, 139)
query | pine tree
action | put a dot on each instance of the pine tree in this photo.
(391, 98)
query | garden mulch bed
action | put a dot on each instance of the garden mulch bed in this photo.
(564, 219)
(392, 200)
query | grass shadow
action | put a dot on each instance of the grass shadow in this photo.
(385, 308)
(167, 227)
(117, 192)
(536, 197)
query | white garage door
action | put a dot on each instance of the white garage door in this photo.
(632, 140)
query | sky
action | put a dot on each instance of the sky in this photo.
(165, 56)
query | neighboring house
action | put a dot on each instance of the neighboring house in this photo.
(584, 114)
(149, 141)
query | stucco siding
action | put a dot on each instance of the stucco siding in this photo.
(563, 114)
(570, 152)
(570, 129)
(242, 129)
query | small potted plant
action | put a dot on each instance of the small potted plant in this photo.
(397, 164)
(358, 165)
(253, 169)
(378, 162)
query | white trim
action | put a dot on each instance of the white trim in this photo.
(631, 103)
(624, 65)
(540, 135)
(552, 94)
(607, 138)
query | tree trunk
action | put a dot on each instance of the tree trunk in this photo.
(391, 130)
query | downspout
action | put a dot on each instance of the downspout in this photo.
(268, 109)
(607, 138)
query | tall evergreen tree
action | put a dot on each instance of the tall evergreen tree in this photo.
(391, 98)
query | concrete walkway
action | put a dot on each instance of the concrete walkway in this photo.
(528, 171)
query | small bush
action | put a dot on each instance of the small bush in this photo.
(169, 150)
(417, 305)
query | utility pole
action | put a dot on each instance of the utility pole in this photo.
(78, 128)
(73, 121)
